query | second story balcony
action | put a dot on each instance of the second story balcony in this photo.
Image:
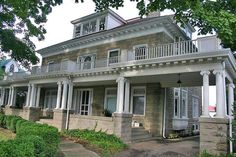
(136, 56)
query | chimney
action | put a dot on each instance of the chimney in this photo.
(154, 14)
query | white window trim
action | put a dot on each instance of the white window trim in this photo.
(49, 62)
(186, 108)
(93, 60)
(138, 46)
(106, 96)
(91, 101)
(145, 97)
(196, 98)
(108, 55)
(50, 91)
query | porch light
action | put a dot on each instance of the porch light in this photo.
(179, 81)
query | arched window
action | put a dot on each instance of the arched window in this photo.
(87, 62)
(12, 67)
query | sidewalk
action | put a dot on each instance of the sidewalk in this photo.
(71, 149)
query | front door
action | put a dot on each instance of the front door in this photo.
(85, 101)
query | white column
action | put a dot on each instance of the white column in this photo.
(32, 97)
(220, 108)
(70, 94)
(28, 96)
(9, 97)
(231, 98)
(38, 96)
(2, 96)
(120, 94)
(64, 95)
(58, 95)
(127, 96)
(205, 112)
(12, 96)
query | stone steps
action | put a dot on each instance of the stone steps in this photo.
(139, 134)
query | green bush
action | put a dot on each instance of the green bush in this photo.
(206, 154)
(32, 139)
(110, 144)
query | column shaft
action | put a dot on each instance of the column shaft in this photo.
(38, 96)
(205, 108)
(220, 108)
(64, 95)
(12, 96)
(127, 96)
(28, 96)
(120, 94)
(70, 95)
(231, 99)
(9, 97)
(32, 97)
(59, 95)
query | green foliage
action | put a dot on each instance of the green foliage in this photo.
(206, 154)
(23, 18)
(32, 139)
(209, 16)
(110, 144)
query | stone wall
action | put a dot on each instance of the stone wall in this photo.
(105, 124)
(101, 51)
(192, 92)
(214, 135)
(152, 120)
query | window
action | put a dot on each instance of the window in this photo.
(113, 56)
(64, 64)
(195, 107)
(138, 100)
(77, 30)
(86, 62)
(180, 103)
(50, 67)
(50, 99)
(89, 27)
(102, 24)
(12, 67)
(110, 99)
(85, 102)
(140, 52)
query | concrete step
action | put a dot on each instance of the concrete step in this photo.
(139, 134)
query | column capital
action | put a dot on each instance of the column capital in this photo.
(65, 82)
(231, 85)
(120, 79)
(205, 72)
(218, 72)
(59, 82)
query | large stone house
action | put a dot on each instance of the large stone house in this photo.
(136, 78)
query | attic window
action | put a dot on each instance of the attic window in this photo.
(12, 68)
(77, 31)
(102, 24)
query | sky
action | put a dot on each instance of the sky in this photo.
(59, 27)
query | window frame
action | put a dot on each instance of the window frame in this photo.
(108, 55)
(198, 106)
(49, 62)
(138, 46)
(132, 96)
(179, 103)
(109, 95)
(82, 57)
(91, 101)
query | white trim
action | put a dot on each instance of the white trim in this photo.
(90, 100)
(195, 98)
(108, 55)
(137, 47)
(49, 62)
(145, 97)
(179, 102)
(106, 96)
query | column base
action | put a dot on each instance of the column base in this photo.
(31, 113)
(59, 118)
(123, 126)
(214, 135)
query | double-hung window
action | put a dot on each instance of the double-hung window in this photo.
(51, 66)
(140, 52)
(180, 103)
(138, 100)
(86, 62)
(113, 56)
(78, 31)
(195, 107)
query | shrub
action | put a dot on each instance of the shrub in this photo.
(206, 154)
(32, 139)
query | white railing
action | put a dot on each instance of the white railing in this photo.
(201, 45)
(16, 75)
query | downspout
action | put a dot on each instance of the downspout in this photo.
(164, 117)
(69, 103)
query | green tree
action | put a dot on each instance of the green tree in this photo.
(19, 21)
(208, 15)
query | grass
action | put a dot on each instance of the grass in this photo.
(100, 142)
(6, 135)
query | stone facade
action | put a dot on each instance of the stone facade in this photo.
(214, 135)
(101, 51)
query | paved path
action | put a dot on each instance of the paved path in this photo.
(71, 149)
(185, 148)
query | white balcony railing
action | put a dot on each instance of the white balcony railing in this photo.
(200, 45)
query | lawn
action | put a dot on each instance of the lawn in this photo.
(6, 135)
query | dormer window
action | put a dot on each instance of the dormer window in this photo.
(102, 24)
(77, 31)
